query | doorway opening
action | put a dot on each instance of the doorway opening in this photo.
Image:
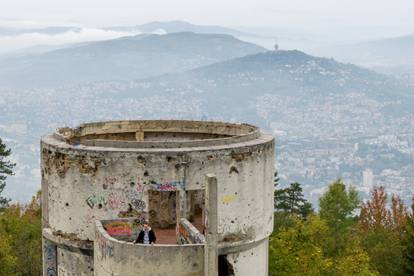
(224, 266)
(196, 209)
(162, 209)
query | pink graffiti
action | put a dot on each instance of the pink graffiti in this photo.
(115, 201)
(106, 249)
(140, 188)
(118, 228)
(168, 185)
(110, 179)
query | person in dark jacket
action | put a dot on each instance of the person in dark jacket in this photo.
(146, 235)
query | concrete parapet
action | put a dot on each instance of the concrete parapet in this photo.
(114, 257)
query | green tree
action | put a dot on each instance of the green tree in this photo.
(276, 179)
(337, 208)
(408, 242)
(6, 169)
(291, 200)
(8, 261)
(353, 261)
(298, 250)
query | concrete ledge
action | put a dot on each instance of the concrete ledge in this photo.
(109, 134)
(66, 241)
(242, 246)
(157, 148)
(189, 234)
(170, 144)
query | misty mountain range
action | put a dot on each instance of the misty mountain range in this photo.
(331, 119)
(178, 26)
(125, 58)
(391, 55)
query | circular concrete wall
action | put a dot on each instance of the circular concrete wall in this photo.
(107, 170)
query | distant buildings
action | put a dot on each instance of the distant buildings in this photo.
(367, 178)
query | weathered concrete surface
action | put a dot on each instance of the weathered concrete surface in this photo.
(83, 183)
(49, 257)
(72, 262)
(211, 249)
(253, 261)
(188, 234)
(114, 257)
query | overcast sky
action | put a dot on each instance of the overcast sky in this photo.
(297, 24)
(287, 13)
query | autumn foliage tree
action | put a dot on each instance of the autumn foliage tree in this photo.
(381, 229)
(20, 239)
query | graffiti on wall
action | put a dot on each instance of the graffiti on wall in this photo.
(50, 258)
(50, 252)
(95, 200)
(51, 271)
(112, 199)
(111, 180)
(188, 234)
(118, 228)
(106, 249)
(227, 199)
(167, 185)
(138, 204)
(131, 193)
(183, 234)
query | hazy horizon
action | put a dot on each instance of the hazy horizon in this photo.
(370, 17)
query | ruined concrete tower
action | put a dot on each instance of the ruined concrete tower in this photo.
(205, 187)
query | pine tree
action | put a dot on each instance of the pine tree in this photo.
(276, 179)
(6, 169)
(291, 200)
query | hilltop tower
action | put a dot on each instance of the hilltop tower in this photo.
(205, 187)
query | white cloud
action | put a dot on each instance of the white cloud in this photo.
(26, 40)
(29, 24)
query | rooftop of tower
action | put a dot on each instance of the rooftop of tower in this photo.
(157, 134)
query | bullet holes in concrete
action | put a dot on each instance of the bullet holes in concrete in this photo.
(233, 169)
(141, 160)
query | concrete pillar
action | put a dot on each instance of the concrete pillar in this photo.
(211, 250)
(182, 205)
(49, 258)
(139, 136)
